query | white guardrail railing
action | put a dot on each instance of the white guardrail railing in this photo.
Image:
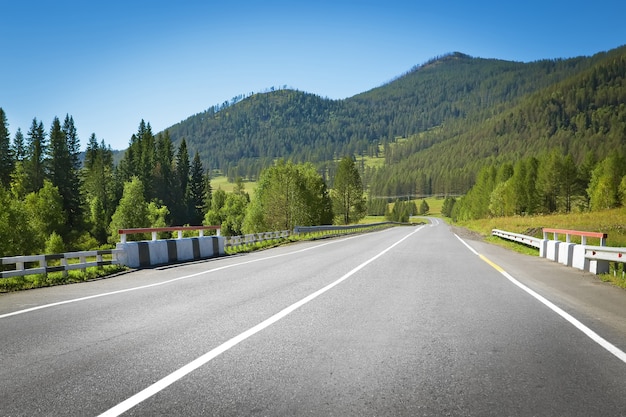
(64, 262)
(594, 259)
(230, 241)
(41, 264)
(516, 237)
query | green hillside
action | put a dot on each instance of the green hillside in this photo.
(454, 115)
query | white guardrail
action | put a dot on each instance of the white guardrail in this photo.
(231, 241)
(594, 259)
(64, 262)
(526, 240)
(23, 265)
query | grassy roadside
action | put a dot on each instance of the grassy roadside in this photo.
(58, 278)
(28, 282)
(612, 222)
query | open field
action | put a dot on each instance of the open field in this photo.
(221, 182)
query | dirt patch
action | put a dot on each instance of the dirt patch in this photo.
(466, 233)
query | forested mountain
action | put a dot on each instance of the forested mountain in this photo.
(439, 123)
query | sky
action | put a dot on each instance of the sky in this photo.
(110, 64)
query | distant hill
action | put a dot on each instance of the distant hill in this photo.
(453, 114)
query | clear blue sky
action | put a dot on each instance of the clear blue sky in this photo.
(110, 64)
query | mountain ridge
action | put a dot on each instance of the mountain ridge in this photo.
(455, 91)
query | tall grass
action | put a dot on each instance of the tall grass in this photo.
(612, 222)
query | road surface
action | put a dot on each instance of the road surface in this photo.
(413, 321)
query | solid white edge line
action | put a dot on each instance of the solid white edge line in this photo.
(156, 284)
(207, 357)
(571, 319)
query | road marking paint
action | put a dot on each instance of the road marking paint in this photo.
(212, 354)
(571, 319)
(156, 284)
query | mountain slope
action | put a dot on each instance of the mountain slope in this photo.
(582, 114)
(455, 107)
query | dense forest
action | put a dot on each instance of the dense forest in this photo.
(52, 202)
(55, 198)
(513, 138)
(438, 124)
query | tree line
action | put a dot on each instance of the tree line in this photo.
(54, 199)
(404, 116)
(551, 183)
(51, 201)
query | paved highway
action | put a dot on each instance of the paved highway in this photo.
(413, 321)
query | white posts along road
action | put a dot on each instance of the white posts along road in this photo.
(413, 321)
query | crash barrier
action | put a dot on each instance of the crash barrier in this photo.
(249, 239)
(332, 229)
(154, 252)
(154, 231)
(157, 251)
(60, 262)
(594, 259)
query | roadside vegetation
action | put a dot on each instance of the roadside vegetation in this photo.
(612, 222)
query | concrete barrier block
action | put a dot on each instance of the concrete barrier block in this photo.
(123, 257)
(184, 249)
(552, 250)
(578, 257)
(598, 267)
(566, 253)
(206, 246)
(158, 252)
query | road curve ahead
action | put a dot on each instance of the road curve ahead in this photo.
(410, 321)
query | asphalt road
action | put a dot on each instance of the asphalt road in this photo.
(413, 321)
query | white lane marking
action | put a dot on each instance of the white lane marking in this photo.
(571, 319)
(156, 284)
(212, 354)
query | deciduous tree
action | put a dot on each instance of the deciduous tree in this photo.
(347, 192)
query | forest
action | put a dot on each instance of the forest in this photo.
(52, 202)
(509, 137)
(436, 125)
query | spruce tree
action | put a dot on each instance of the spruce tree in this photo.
(63, 169)
(19, 151)
(99, 186)
(195, 195)
(163, 172)
(180, 215)
(35, 169)
(7, 161)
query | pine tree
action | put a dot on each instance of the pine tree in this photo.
(19, 151)
(195, 197)
(180, 215)
(163, 172)
(63, 172)
(35, 169)
(7, 161)
(99, 187)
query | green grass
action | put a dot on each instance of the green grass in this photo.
(221, 182)
(57, 278)
(612, 222)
